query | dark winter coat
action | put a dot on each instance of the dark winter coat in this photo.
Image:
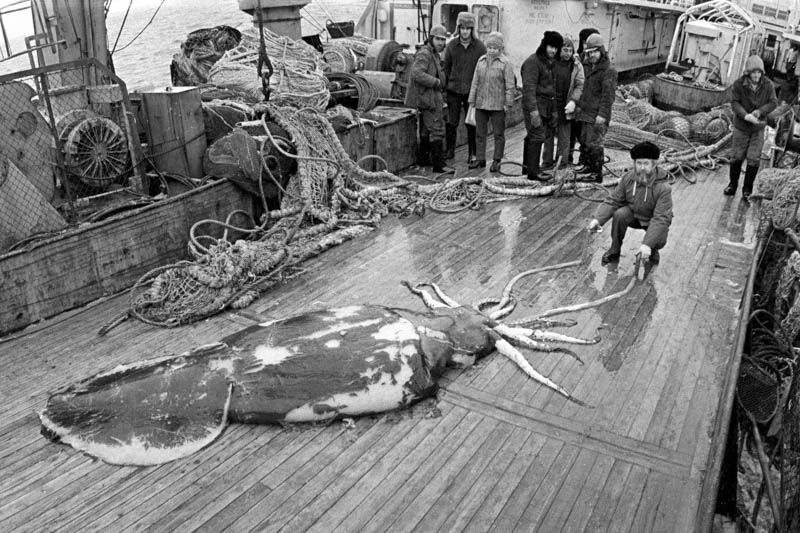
(599, 86)
(651, 205)
(538, 84)
(745, 100)
(427, 80)
(459, 64)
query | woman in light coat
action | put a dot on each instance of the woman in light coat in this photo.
(491, 95)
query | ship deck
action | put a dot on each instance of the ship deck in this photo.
(494, 450)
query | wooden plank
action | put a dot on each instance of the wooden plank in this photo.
(628, 502)
(481, 483)
(609, 495)
(175, 130)
(491, 506)
(420, 476)
(437, 500)
(340, 504)
(572, 432)
(537, 470)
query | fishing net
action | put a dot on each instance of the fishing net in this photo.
(297, 79)
(201, 49)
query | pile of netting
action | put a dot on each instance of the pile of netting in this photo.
(329, 200)
(298, 77)
(346, 54)
(687, 143)
(768, 391)
(701, 127)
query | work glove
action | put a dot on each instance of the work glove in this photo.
(644, 252)
(594, 226)
(569, 108)
(751, 118)
(536, 120)
(599, 120)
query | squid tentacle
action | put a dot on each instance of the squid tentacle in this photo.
(505, 348)
(521, 337)
(441, 294)
(429, 301)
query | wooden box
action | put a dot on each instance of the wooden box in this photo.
(96, 260)
(176, 138)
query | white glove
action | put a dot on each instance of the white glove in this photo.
(569, 108)
(751, 118)
(599, 120)
(644, 252)
(594, 225)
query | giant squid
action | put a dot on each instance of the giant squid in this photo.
(315, 366)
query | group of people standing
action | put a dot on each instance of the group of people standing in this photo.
(566, 96)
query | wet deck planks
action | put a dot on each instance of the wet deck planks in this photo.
(496, 452)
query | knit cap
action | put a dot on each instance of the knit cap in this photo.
(753, 63)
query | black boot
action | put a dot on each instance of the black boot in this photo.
(424, 152)
(733, 183)
(525, 156)
(749, 179)
(532, 160)
(451, 142)
(437, 158)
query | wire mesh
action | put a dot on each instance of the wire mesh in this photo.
(68, 138)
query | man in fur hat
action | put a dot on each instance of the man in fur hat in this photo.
(460, 57)
(752, 98)
(594, 107)
(641, 200)
(424, 93)
(539, 100)
(569, 79)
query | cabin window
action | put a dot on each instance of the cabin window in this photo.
(783, 15)
(450, 15)
(770, 12)
(758, 9)
(771, 41)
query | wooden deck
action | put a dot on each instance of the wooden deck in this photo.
(496, 451)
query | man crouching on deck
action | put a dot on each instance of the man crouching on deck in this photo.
(642, 200)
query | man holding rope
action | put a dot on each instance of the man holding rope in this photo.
(641, 200)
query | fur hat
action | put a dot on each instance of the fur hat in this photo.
(753, 63)
(552, 38)
(495, 38)
(593, 41)
(645, 150)
(465, 20)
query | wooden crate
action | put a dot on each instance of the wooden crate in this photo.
(175, 130)
(101, 259)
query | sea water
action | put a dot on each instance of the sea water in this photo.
(153, 31)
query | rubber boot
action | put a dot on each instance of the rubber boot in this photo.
(437, 158)
(733, 183)
(472, 142)
(451, 133)
(424, 152)
(749, 179)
